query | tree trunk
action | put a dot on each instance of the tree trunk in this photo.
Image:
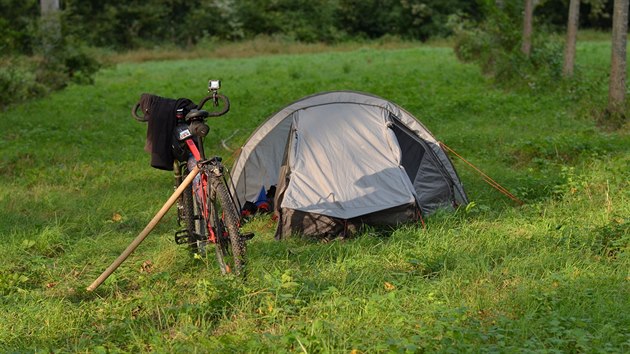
(617, 87)
(50, 27)
(572, 29)
(528, 20)
(49, 6)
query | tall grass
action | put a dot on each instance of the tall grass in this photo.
(552, 275)
(258, 46)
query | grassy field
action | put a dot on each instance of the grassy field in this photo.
(553, 275)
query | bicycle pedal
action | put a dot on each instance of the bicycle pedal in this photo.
(182, 237)
(248, 236)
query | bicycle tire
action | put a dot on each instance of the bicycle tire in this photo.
(230, 250)
(195, 222)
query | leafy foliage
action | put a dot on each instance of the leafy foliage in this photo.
(23, 78)
(494, 44)
(144, 24)
(18, 81)
(18, 26)
(595, 13)
(418, 19)
(302, 20)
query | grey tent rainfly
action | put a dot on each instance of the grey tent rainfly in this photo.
(342, 159)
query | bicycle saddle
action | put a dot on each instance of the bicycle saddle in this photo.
(196, 114)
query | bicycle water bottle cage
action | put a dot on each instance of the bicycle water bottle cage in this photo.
(196, 114)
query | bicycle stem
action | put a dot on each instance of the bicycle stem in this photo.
(150, 226)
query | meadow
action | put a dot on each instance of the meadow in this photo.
(552, 275)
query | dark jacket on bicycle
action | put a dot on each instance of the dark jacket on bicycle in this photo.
(160, 115)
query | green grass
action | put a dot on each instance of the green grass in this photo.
(553, 275)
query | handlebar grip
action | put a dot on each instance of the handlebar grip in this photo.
(134, 113)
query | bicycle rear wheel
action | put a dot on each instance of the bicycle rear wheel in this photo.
(230, 247)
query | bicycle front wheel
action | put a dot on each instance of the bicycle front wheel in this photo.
(230, 247)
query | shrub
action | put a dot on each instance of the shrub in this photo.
(301, 20)
(23, 78)
(79, 65)
(18, 24)
(18, 81)
(494, 45)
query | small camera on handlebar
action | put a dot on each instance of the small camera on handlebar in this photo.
(214, 85)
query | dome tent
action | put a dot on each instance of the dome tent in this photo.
(342, 159)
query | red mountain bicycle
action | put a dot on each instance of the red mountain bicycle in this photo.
(207, 209)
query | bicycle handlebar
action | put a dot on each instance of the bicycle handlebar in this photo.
(134, 113)
(215, 97)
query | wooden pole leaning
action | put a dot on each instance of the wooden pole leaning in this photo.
(150, 226)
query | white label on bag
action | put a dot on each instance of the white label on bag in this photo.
(184, 134)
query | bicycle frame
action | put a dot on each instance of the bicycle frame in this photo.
(200, 183)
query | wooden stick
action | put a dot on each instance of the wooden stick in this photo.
(134, 244)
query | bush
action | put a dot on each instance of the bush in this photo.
(144, 24)
(495, 43)
(409, 19)
(23, 78)
(79, 65)
(18, 26)
(301, 20)
(18, 81)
